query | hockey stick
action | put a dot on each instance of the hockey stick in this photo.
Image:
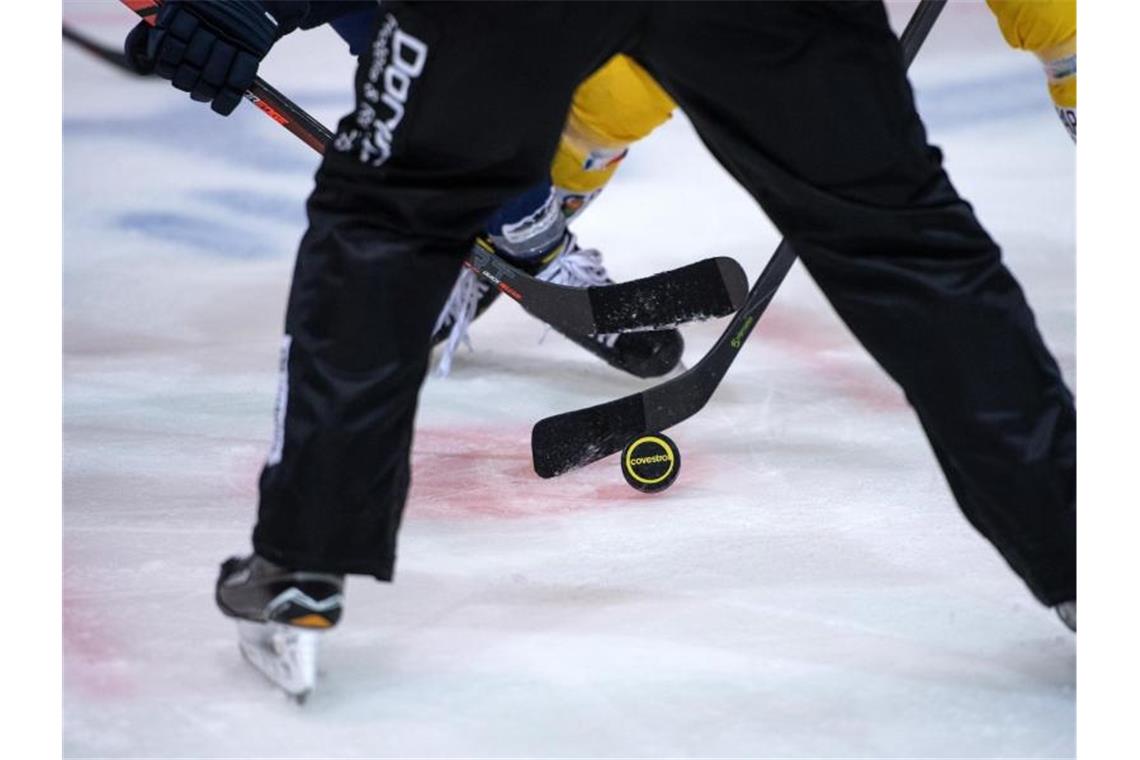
(275, 105)
(574, 439)
(713, 287)
(99, 50)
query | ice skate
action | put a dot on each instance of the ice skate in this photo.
(281, 615)
(649, 353)
(645, 353)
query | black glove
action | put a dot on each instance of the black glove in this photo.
(208, 48)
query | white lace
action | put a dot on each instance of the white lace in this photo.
(458, 312)
(578, 268)
(575, 267)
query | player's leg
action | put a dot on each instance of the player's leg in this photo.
(807, 104)
(1048, 29)
(615, 107)
(448, 125)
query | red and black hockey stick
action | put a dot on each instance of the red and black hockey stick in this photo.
(713, 287)
(275, 105)
(567, 441)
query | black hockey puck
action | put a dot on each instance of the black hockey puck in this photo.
(650, 463)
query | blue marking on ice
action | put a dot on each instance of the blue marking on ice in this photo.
(976, 102)
(191, 128)
(207, 235)
(285, 209)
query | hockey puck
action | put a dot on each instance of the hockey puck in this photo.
(651, 463)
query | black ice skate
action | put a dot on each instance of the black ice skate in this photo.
(645, 353)
(280, 615)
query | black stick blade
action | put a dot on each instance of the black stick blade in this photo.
(567, 441)
(710, 288)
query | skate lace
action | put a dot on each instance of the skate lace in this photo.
(458, 312)
(578, 268)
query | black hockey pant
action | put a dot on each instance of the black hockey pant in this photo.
(459, 108)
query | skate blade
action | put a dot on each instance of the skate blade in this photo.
(284, 654)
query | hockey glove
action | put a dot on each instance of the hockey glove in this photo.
(208, 48)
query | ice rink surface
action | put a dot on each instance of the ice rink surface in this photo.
(807, 588)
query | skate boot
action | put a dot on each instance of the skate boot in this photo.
(647, 353)
(280, 615)
(1067, 611)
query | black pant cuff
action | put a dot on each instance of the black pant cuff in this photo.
(381, 568)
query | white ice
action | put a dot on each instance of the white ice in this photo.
(807, 587)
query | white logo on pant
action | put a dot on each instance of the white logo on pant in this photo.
(281, 408)
(397, 61)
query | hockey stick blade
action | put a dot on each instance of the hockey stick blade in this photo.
(710, 288)
(574, 439)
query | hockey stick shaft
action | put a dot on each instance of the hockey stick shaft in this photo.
(574, 439)
(271, 102)
(98, 49)
(718, 284)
